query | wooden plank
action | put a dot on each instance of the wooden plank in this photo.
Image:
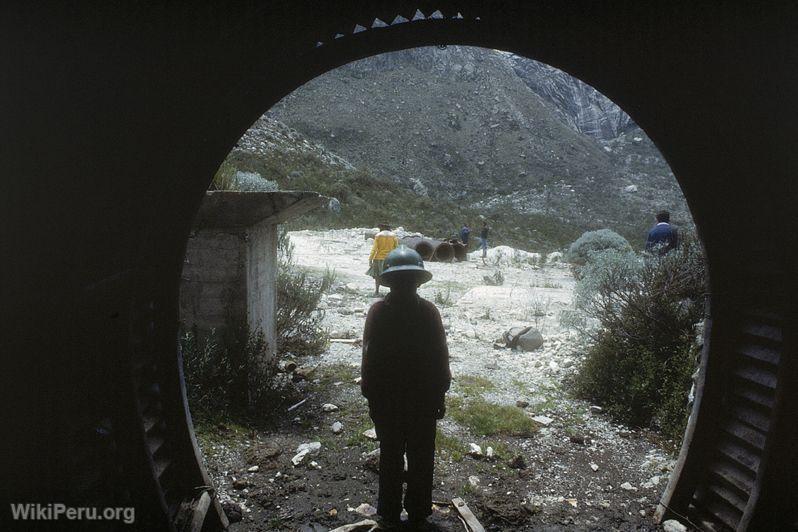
(468, 516)
(200, 511)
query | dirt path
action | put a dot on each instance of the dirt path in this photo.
(558, 462)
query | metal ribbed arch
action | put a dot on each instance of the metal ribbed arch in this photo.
(668, 66)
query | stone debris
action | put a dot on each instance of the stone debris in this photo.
(329, 407)
(473, 480)
(652, 482)
(305, 449)
(232, 511)
(594, 466)
(240, 484)
(628, 487)
(315, 465)
(543, 420)
(370, 434)
(302, 374)
(579, 439)
(475, 451)
(672, 525)
(371, 461)
(522, 404)
(262, 453)
(312, 447)
(337, 427)
(517, 462)
(366, 509)
(595, 409)
(253, 469)
(489, 453)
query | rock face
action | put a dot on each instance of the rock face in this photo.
(578, 104)
(481, 127)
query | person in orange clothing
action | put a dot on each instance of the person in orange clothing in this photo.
(384, 242)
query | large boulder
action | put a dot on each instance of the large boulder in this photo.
(524, 338)
(530, 340)
(511, 336)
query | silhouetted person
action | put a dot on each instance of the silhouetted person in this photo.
(663, 237)
(405, 375)
(384, 242)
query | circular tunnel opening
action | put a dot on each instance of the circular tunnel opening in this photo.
(243, 173)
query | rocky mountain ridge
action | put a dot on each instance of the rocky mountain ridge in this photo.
(495, 133)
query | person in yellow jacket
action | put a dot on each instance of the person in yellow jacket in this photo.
(384, 242)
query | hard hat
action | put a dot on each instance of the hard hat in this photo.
(404, 261)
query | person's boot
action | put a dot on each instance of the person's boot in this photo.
(420, 525)
(387, 524)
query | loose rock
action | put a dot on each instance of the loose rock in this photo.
(530, 340)
(628, 487)
(337, 427)
(672, 525)
(370, 434)
(232, 511)
(517, 463)
(329, 407)
(366, 509)
(522, 404)
(475, 450)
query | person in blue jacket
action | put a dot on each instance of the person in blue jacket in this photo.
(663, 237)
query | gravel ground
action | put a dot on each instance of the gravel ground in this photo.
(581, 470)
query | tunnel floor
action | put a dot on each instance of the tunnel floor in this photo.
(576, 467)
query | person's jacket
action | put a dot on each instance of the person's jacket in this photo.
(384, 243)
(405, 366)
(662, 238)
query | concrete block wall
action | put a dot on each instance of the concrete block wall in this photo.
(213, 282)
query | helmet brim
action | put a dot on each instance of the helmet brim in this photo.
(420, 273)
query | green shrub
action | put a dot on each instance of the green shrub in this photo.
(230, 370)
(643, 354)
(298, 318)
(592, 242)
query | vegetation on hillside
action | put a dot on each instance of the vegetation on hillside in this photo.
(367, 199)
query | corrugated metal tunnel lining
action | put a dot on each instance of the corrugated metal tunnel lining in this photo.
(152, 104)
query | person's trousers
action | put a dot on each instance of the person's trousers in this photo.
(416, 437)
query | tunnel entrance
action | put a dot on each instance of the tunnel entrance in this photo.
(102, 262)
(517, 442)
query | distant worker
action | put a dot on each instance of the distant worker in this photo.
(483, 237)
(384, 242)
(465, 232)
(405, 376)
(663, 237)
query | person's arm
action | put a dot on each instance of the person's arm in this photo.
(443, 374)
(367, 358)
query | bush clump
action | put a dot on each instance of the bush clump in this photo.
(595, 242)
(298, 319)
(231, 371)
(643, 349)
